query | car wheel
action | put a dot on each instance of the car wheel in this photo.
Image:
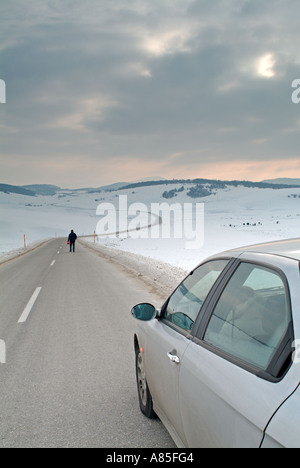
(145, 399)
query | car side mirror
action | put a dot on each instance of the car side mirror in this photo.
(144, 312)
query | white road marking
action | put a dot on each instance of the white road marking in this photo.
(53, 263)
(29, 306)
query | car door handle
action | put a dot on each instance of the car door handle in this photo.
(173, 358)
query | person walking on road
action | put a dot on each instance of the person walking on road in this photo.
(72, 239)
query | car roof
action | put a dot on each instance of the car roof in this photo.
(289, 248)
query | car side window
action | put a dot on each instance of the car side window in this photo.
(252, 316)
(185, 303)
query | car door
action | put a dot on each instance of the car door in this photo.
(168, 340)
(231, 380)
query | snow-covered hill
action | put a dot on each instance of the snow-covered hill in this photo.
(233, 216)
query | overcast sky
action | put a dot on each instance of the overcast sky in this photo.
(100, 91)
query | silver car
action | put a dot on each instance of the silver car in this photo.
(219, 363)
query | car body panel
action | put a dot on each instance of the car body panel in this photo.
(209, 401)
(284, 248)
(157, 340)
(223, 405)
(283, 430)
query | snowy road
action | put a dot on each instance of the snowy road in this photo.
(68, 380)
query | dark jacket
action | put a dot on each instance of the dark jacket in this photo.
(72, 237)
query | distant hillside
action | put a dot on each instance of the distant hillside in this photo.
(216, 183)
(15, 189)
(42, 189)
(283, 181)
(201, 186)
(108, 188)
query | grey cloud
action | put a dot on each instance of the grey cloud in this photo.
(139, 78)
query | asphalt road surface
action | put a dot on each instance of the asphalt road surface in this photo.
(69, 377)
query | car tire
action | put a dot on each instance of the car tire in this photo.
(145, 398)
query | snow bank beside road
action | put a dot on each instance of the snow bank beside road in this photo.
(7, 256)
(162, 277)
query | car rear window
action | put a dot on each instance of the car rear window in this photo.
(251, 317)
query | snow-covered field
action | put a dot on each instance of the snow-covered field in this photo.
(233, 216)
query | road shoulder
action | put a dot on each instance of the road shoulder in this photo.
(161, 277)
(12, 254)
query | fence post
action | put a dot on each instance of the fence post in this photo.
(24, 241)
